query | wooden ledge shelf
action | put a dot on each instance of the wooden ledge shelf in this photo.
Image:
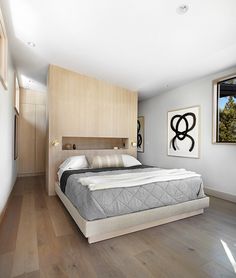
(94, 143)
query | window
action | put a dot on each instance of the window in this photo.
(3, 53)
(224, 129)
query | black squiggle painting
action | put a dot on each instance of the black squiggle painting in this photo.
(182, 135)
(183, 132)
(140, 134)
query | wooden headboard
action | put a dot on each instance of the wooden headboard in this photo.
(80, 106)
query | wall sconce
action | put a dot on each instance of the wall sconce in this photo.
(133, 144)
(55, 143)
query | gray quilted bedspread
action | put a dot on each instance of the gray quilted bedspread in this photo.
(117, 201)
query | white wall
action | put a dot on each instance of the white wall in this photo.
(8, 167)
(217, 163)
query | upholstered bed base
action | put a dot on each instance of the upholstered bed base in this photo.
(102, 229)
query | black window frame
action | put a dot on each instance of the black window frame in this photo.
(216, 95)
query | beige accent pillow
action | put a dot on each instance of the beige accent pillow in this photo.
(106, 161)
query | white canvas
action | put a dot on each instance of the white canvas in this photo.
(183, 132)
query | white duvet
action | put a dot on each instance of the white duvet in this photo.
(135, 179)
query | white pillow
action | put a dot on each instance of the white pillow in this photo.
(74, 163)
(129, 160)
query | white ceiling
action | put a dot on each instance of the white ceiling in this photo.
(140, 45)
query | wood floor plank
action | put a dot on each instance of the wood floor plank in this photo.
(6, 261)
(45, 232)
(53, 271)
(49, 257)
(103, 263)
(26, 252)
(205, 246)
(99, 258)
(18, 188)
(130, 244)
(160, 239)
(156, 264)
(40, 193)
(74, 263)
(9, 227)
(62, 224)
(34, 274)
(215, 270)
(59, 256)
(211, 244)
(39, 200)
(175, 262)
(38, 238)
(122, 250)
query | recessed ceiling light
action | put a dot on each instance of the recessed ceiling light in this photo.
(182, 9)
(31, 44)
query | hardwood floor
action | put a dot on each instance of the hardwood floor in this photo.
(38, 238)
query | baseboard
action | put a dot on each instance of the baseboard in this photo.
(30, 174)
(220, 194)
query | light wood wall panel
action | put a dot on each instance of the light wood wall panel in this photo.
(27, 139)
(32, 132)
(40, 138)
(85, 107)
(32, 96)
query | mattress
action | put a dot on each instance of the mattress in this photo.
(100, 204)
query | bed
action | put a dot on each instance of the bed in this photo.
(109, 202)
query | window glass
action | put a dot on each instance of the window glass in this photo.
(226, 114)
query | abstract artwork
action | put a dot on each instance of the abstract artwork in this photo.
(183, 132)
(15, 137)
(140, 134)
(17, 95)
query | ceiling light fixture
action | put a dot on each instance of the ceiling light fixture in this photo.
(182, 9)
(31, 44)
